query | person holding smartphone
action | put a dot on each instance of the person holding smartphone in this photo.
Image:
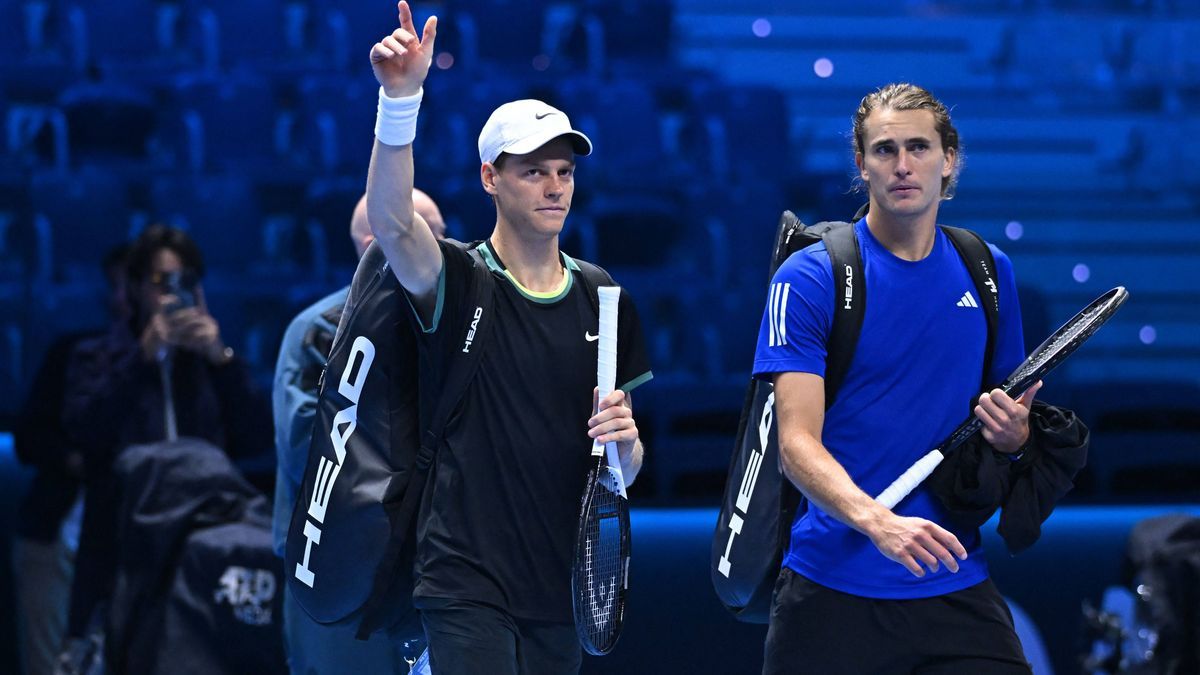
(170, 376)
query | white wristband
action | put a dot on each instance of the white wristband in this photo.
(396, 118)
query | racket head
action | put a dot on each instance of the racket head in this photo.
(1064, 341)
(600, 568)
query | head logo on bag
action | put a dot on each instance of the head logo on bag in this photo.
(849, 288)
(471, 331)
(362, 354)
(749, 480)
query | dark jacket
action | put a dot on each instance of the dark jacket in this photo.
(116, 400)
(41, 441)
(975, 480)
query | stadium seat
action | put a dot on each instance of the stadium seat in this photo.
(88, 211)
(223, 123)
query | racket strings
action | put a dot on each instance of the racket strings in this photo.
(1085, 324)
(603, 565)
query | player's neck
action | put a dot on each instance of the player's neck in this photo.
(533, 261)
(906, 237)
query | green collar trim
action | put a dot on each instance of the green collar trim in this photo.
(545, 298)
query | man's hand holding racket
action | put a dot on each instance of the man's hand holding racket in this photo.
(1006, 420)
(614, 423)
(1053, 351)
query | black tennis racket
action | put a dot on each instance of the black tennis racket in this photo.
(600, 570)
(1061, 344)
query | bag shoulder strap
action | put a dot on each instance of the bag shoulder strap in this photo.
(481, 294)
(594, 276)
(981, 265)
(850, 303)
(462, 369)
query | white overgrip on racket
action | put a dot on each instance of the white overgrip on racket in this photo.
(910, 479)
(606, 368)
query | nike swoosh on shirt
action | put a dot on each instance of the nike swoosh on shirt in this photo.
(589, 337)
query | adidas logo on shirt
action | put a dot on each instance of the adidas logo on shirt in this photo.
(967, 300)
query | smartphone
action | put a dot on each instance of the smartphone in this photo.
(182, 287)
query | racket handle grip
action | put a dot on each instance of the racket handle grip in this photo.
(910, 479)
(606, 367)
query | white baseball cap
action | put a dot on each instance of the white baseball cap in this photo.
(520, 127)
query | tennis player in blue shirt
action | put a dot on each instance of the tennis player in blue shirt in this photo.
(865, 589)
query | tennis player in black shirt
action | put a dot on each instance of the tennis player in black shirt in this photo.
(498, 523)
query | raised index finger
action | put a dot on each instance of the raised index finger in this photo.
(406, 17)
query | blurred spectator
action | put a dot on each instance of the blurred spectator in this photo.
(313, 647)
(170, 376)
(49, 516)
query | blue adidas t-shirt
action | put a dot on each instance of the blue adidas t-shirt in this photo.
(916, 368)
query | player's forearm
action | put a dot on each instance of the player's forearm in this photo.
(404, 237)
(389, 193)
(632, 464)
(823, 480)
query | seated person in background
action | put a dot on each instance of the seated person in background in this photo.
(171, 375)
(302, 357)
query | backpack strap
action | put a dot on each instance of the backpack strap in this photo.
(977, 256)
(593, 277)
(850, 306)
(403, 514)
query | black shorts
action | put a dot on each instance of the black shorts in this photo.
(815, 629)
(467, 638)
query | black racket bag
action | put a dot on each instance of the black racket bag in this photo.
(351, 542)
(365, 439)
(759, 504)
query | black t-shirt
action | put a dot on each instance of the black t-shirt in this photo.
(498, 522)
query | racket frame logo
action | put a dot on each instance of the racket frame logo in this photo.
(600, 609)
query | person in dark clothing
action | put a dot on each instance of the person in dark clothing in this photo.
(48, 517)
(171, 376)
(498, 517)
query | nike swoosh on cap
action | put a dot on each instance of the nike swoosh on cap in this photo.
(543, 115)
